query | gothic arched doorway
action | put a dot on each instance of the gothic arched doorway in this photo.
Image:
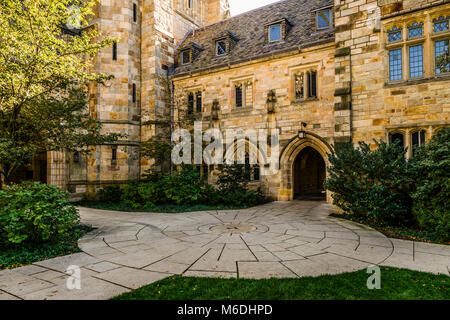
(309, 175)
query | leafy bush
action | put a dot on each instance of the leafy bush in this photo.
(28, 253)
(371, 183)
(232, 188)
(110, 193)
(183, 187)
(140, 194)
(430, 172)
(233, 178)
(34, 213)
(187, 187)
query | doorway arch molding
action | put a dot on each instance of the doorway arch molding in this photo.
(288, 157)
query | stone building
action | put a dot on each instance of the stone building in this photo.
(148, 32)
(322, 72)
(340, 70)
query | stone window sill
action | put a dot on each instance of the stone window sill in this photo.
(300, 101)
(441, 77)
(237, 109)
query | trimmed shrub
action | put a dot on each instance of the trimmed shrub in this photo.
(141, 194)
(232, 188)
(371, 183)
(110, 194)
(184, 187)
(187, 187)
(35, 213)
(430, 172)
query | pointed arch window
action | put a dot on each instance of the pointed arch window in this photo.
(395, 34)
(398, 138)
(441, 24)
(417, 140)
(415, 30)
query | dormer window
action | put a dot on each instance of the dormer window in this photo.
(324, 19)
(275, 33)
(221, 47)
(186, 57)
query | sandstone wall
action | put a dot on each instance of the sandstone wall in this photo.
(376, 105)
(269, 74)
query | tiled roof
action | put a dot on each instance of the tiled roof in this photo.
(249, 29)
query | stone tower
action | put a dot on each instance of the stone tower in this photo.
(148, 32)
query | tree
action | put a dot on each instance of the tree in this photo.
(371, 183)
(47, 49)
(430, 173)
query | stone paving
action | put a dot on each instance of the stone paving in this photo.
(281, 239)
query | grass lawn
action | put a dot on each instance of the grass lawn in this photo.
(111, 206)
(28, 253)
(404, 233)
(396, 284)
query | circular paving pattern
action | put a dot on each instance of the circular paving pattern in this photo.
(295, 239)
(232, 228)
(292, 239)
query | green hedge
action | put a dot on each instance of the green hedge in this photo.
(384, 188)
(34, 213)
(185, 187)
(371, 183)
(430, 173)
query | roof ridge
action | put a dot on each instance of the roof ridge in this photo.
(243, 13)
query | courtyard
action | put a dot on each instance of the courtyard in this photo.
(278, 240)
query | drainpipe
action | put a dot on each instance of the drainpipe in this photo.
(351, 98)
(172, 114)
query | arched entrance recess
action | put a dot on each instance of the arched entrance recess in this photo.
(302, 157)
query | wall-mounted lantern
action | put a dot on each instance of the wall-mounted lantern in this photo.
(215, 110)
(302, 132)
(271, 101)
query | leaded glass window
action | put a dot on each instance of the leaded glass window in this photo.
(238, 90)
(395, 34)
(221, 47)
(186, 57)
(198, 102)
(417, 140)
(312, 84)
(415, 30)
(397, 138)
(441, 24)
(395, 65)
(275, 33)
(190, 103)
(416, 61)
(299, 86)
(324, 19)
(441, 53)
